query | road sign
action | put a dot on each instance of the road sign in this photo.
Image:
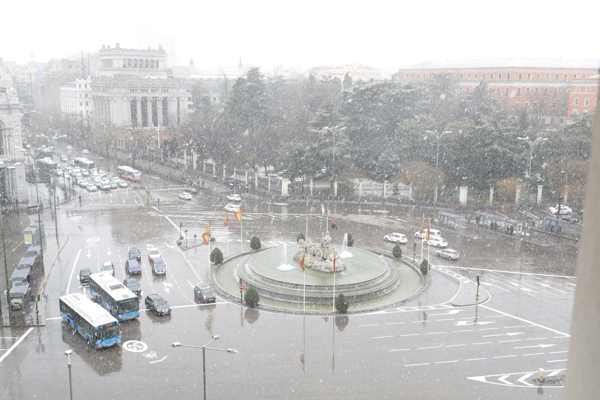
(135, 346)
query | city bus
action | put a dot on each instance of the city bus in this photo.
(115, 297)
(129, 173)
(46, 165)
(92, 322)
(83, 162)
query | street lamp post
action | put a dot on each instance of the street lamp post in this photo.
(531, 144)
(68, 355)
(438, 136)
(204, 348)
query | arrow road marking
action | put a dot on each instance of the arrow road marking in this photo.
(537, 346)
(519, 379)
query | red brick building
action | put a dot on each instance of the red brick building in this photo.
(558, 92)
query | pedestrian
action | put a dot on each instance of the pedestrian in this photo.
(79, 200)
(157, 202)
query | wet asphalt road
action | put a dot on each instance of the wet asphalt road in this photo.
(430, 352)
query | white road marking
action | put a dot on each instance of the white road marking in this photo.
(506, 356)
(559, 352)
(395, 350)
(381, 337)
(475, 359)
(471, 323)
(510, 272)
(68, 288)
(532, 354)
(536, 346)
(504, 334)
(556, 361)
(481, 343)
(417, 364)
(15, 344)
(159, 360)
(510, 341)
(455, 345)
(524, 320)
(437, 346)
(436, 333)
(445, 362)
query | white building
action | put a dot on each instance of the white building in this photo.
(12, 160)
(143, 63)
(76, 99)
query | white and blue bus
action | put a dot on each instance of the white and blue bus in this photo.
(83, 162)
(95, 325)
(115, 297)
(131, 174)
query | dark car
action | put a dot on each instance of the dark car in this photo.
(84, 276)
(18, 294)
(204, 294)
(133, 285)
(133, 265)
(157, 304)
(159, 267)
(134, 252)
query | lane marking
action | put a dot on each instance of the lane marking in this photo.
(481, 343)
(437, 346)
(475, 359)
(68, 288)
(525, 320)
(506, 356)
(510, 272)
(417, 364)
(559, 352)
(532, 354)
(445, 362)
(556, 361)
(15, 344)
(456, 345)
(381, 337)
(395, 350)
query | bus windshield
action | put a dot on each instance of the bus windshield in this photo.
(130, 305)
(108, 331)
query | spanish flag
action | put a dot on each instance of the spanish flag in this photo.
(302, 263)
(238, 215)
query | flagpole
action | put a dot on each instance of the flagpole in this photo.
(333, 299)
(241, 233)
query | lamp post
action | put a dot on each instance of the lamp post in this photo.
(68, 355)
(204, 348)
(531, 144)
(4, 252)
(438, 135)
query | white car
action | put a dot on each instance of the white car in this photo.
(230, 207)
(564, 210)
(85, 151)
(448, 254)
(234, 197)
(91, 188)
(436, 241)
(123, 184)
(185, 196)
(396, 237)
(432, 233)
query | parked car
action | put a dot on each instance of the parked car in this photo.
(159, 267)
(84, 276)
(561, 209)
(234, 197)
(192, 190)
(231, 207)
(436, 241)
(422, 234)
(123, 184)
(448, 254)
(105, 186)
(204, 294)
(185, 196)
(91, 188)
(396, 237)
(18, 294)
(108, 266)
(133, 285)
(157, 304)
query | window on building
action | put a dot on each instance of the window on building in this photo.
(576, 101)
(165, 111)
(586, 101)
(155, 111)
(144, 112)
(133, 112)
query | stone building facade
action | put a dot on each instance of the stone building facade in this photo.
(12, 158)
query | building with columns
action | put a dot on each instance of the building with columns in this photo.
(12, 158)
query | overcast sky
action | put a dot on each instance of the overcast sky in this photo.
(305, 33)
